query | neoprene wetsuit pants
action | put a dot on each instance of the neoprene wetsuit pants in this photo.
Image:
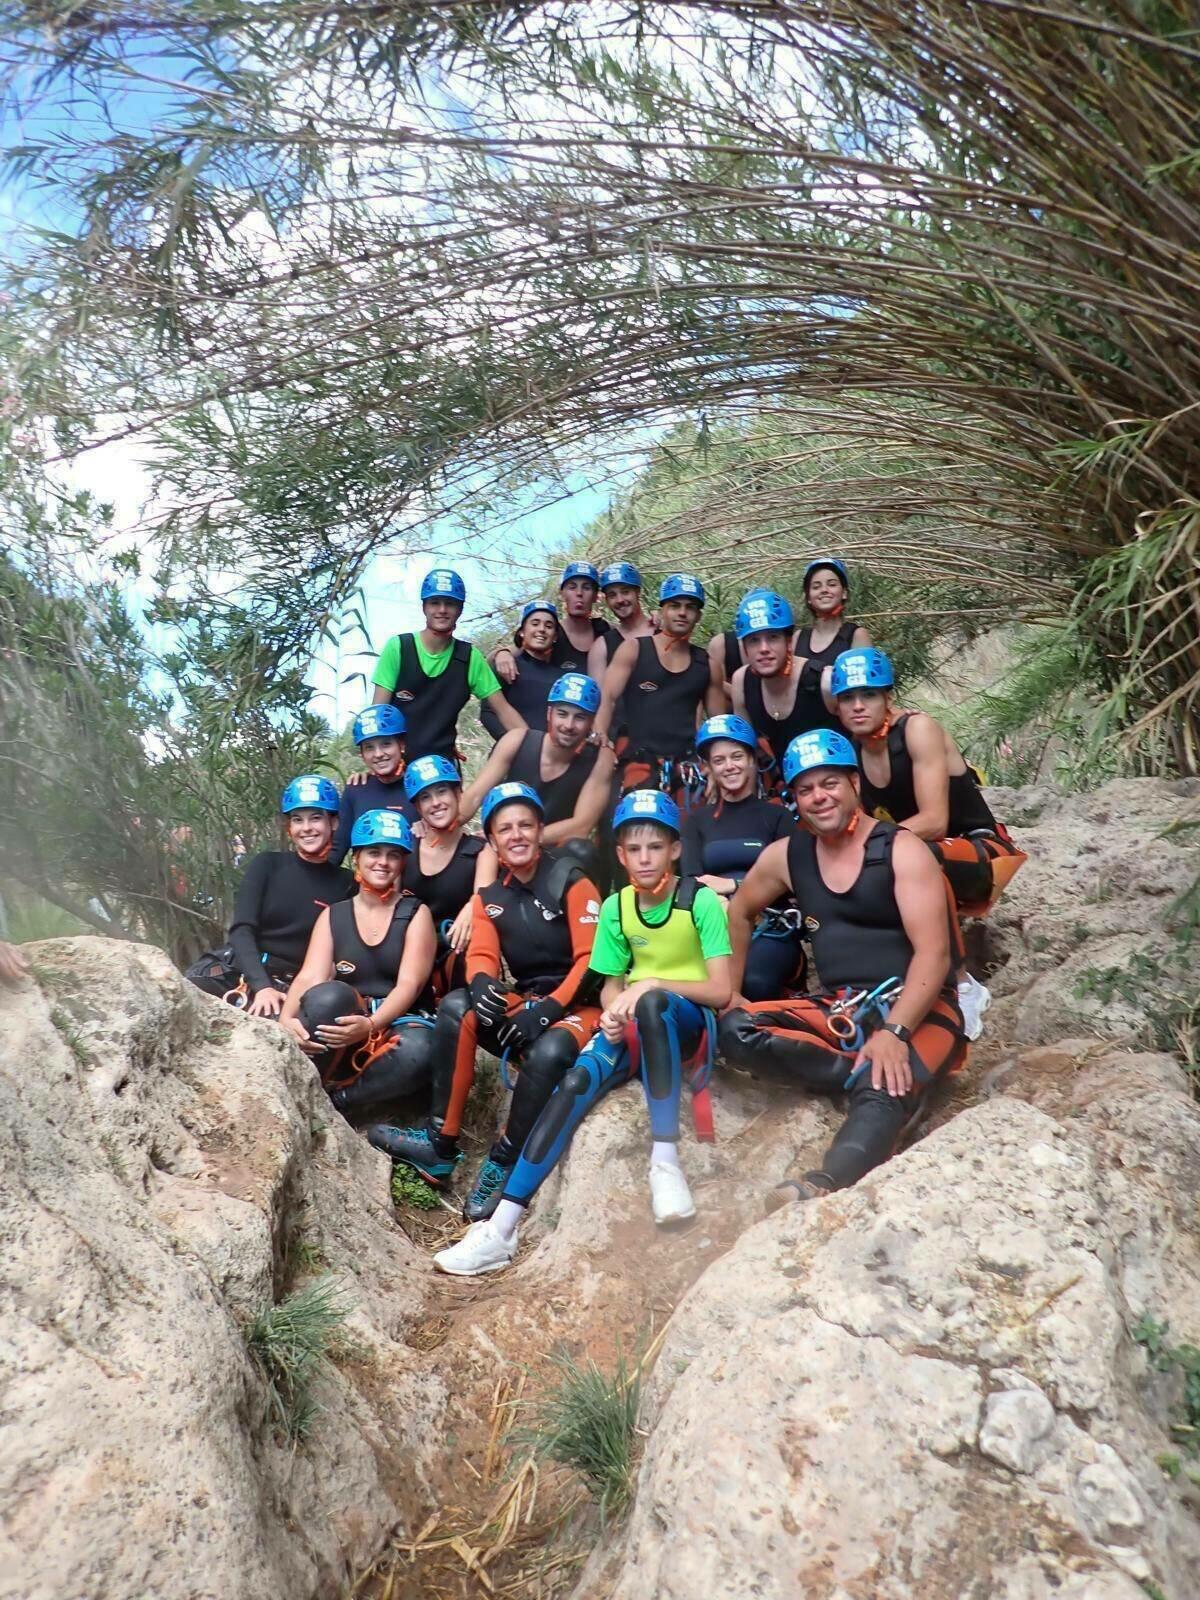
(670, 1031)
(401, 1066)
(790, 1041)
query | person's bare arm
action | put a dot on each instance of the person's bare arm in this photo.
(493, 771)
(317, 967)
(766, 882)
(716, 699)
(925, 912)
(931, 777)
(597, 661)
(13, 965)
(509, 718)
(616, 677)
(486, 868)
(737, 687)
(503, 662)
(860, 638)
(589, 808)
(716, 665)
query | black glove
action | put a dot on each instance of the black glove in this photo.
(524, 1027)
(489, 997)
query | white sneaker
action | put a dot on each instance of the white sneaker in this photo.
(669, 1194)
(481, 1249)
(973, 1000)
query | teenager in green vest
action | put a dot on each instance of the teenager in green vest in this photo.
(662, 946)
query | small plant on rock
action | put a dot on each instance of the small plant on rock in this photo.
(408, 1189)
(290, 1343)
(1152, 1336)
(588, 1422)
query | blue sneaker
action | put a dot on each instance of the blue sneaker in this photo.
(415, 1148)
(485, 1196)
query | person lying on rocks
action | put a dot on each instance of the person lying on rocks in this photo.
(912, 772)
(886, 1026)
(280, 897)
(663, 949)
(538, 920)
(361, 1004)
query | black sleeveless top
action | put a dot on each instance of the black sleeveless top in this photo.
(660, 706)
(372, 969)
(808, 711)
(858, 937)
(842, 640)
(566, 657)
(445, 892)
(559, 795)
(527, 696)
(431, 705)
(969, 812)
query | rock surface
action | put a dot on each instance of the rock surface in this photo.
(165, 1168)
(926, 1386)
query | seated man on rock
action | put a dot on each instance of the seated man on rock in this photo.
(886, 1025)
(912, 772)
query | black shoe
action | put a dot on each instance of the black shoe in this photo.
(414, 1147)
(485, 1195)
(797, 1187)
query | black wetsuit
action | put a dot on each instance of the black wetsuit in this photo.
(661, 706)
(843, 639)
(446, 892)
(808, 710)
(278, 902)
(559, 795)
(724, 840)
(402, 1062)
(431, 706)
(358, 799)
(527, 695)
(567, 658)
(897, 799)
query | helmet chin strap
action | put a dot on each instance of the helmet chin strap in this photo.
(370, 889)
(317, 857)
(881, 732)
(508, 866)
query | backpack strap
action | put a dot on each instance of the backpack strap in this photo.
(897, 741)
(564, 872)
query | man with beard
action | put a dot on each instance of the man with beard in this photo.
(886, 1026)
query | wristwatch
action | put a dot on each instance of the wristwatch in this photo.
(902, 1033)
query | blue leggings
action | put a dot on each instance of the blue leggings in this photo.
(670, 1031)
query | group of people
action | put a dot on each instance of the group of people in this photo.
(752, 806)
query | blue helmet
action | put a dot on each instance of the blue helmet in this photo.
(443, 584)
(381, 827)
(820, 747)
(833, 564)
(575, 689)
(762, 611)
(309, 793)
(579, 569)
(620, 572)
(539, 605)
(504, 794)
(378, 722)
(865, 668)
(425, 771)
(647, 805)
(725, 726)
(681, 586)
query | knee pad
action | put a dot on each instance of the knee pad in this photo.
(551, 1056)
(652, 1007)
(326, 1002)
(735, 1034)
(455, 1005)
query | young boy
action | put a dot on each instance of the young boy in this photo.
(662, 946)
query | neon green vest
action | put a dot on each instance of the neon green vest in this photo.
(670, 951)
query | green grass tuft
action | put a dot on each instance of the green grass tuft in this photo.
(1185, 1358)
(588, 1423)
(410, 1190)
(291, 1342)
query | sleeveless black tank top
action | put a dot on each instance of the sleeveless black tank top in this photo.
(567, 658)
(808, 712)
(559, 795)
(445, 892)
(842, 640)
(858, 937)
(431, 705)
(660, 706)
(968, 810)
(372, 968)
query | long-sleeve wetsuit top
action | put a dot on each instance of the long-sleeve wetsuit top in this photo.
(278, 902)
(544, 939)
(358, 798)
(724, 840)
(527, 696)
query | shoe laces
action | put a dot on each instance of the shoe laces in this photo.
(491, 1176)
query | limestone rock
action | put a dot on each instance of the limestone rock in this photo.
(925, 1386)
(162, 1159)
